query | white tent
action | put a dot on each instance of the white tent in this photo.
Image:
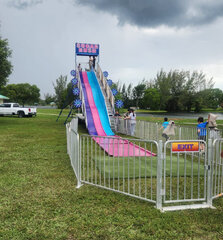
(2, 98)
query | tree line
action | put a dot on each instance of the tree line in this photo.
(172, 91)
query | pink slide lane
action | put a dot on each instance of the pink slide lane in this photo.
(94, 110)
(122, 148)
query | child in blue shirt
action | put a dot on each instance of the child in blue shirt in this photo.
(201, 131)
(164, 125)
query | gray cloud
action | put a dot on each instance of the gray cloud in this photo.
(153, 13)
(23, 4)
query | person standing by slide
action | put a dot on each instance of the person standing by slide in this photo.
(79, 67)
(117, 120)
(90, 62)
(132, 119)
(94, 61)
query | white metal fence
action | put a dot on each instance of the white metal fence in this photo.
(124, 171)
(153, 131)
(73, 147)
(147, 170)
(217, 169)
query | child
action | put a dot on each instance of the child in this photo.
(201, 131)
(169, 130)
(164, 125)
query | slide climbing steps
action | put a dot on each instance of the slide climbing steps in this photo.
(109, 107)
(108, 95)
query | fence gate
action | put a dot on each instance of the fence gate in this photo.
(186, 175)
(217, 169)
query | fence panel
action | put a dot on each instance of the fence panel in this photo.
(153, 131)
(184, 174)
(73, 147)
(127, 166)
(68, 139)
(217, 168)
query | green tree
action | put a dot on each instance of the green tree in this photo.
(128, 102)
(138, 93)
(60, 89)
(70, 96)
(162, 83)
(129, 91)
(5, 64)
(212, 98)
(179, 89)
(126, 95)
(151, 99)
(23, 93)
(49, 98)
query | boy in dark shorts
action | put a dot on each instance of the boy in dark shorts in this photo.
(164, 125)
(201, 131)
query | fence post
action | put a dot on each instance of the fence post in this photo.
(179, 133)
(159, 175)
(68, 138)
(209, 181)
(157, 138)
(78, 160)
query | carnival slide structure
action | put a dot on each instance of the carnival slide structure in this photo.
(98, 105)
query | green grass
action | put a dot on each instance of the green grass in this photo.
(138, 167)
(38, 198)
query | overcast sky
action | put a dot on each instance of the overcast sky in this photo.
(137, 37)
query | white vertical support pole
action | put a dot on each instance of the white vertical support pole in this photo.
(209, 169)
(139, 129)
(179, 133)
(159, 176)
(68, 142)
(157, 132)
(78, 159)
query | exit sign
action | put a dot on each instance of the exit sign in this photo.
(185, 146)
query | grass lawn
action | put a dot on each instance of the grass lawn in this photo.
(137, 166)
(38, 198)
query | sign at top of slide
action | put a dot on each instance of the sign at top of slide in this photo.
(87, 49)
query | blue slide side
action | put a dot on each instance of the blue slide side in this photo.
(100, 103)
(91, 126)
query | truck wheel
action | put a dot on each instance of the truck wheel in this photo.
(21, 114)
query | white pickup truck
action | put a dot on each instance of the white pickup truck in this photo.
(15, 109)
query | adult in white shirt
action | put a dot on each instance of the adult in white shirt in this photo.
(132, 119)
